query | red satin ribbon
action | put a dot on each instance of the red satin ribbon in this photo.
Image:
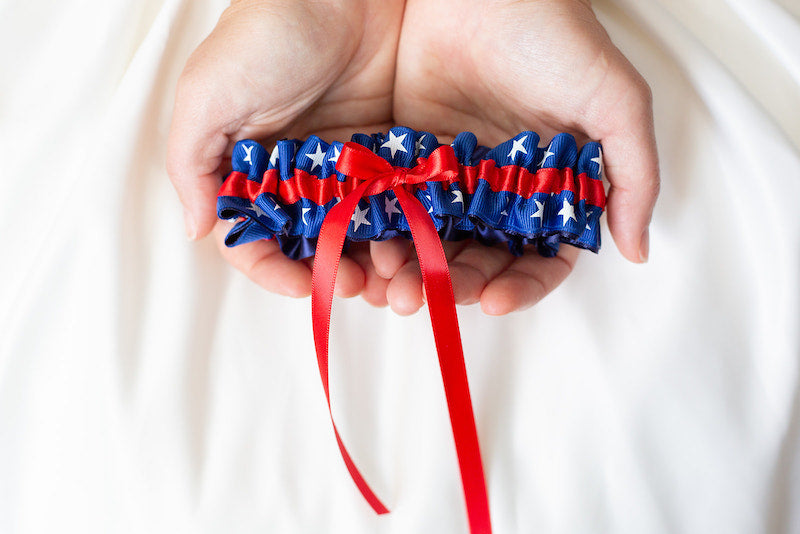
(378, 175)
(510, 178)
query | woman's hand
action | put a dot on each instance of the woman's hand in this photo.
(497, 68)
(272, 69)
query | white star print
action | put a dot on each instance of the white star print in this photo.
(316, 157)
(360, 217)
(303, 215)
(395, 143)
(459, 197)
(516, 146)
(547, 154)
(567, 212)
(588, 214)
(273, 158)
(336, 153)
(248, 149)
(390, 207)
(418, 146)
(258, 210)
(539, 209)
(599, 161)
(430, 210)
(504, 212)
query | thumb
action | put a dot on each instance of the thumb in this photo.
(204, 117)
(242, 81)
(625, 128)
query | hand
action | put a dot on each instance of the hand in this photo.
(273, 69)
(497, 68)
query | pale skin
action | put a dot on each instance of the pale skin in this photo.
(273, 69)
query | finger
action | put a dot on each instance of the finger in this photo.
(374, 292)
(404, 292)
(388, 256)
(264, 263)
(473, 268)
(350, 277)
(451, 250)
(526, 281)
(631, 162)
(454, 248)
(195, 149)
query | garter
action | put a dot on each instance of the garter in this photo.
(515, 193)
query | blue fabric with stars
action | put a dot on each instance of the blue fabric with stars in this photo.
(544, 220)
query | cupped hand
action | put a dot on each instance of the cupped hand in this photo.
(497, 68)
(272, 69)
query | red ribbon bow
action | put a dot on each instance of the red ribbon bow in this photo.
(360, 163)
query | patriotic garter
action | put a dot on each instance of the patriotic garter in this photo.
(314, 197)
(515, 193)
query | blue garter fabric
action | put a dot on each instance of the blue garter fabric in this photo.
(515, 193)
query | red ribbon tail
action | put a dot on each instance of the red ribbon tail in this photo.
(444, 320)
(442, 309)
(323, 279)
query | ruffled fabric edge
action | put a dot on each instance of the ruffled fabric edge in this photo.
(515, 193)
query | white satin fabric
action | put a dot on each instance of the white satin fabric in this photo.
(145, 386)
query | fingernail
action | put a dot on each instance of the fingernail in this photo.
(644, 246)
(188, 221)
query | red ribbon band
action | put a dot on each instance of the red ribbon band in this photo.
(510, 178)
(378, 175)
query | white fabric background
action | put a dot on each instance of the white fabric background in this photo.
(147, 387)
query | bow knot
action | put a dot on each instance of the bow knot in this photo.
(400, 177)
(363, 164)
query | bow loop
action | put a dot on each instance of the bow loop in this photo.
(360, 162)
